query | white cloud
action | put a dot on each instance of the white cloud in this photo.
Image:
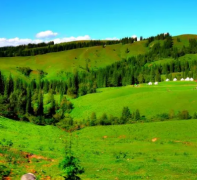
(46, 34)
(134, 36)
(114, 38)
(69, 39)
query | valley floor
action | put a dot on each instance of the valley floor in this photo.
(160, 150)
(150, 100)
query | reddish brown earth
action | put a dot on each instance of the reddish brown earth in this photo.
(154, 139)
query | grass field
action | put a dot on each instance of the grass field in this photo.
(184, 40)
(150, 100)
(161, 150)
(187, 57)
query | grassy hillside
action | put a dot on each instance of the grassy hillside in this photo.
(29, 139)
(150, 100)
(54, 63)
(184, 40)
(163, 150)
(187, 57)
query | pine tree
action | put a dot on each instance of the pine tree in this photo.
(104, 119)
(21, 103)
(61, 95)
(70, 165)
(195, 116)
(93, 119)
(137, 115)
(126, 114)
(28, 104)
(40, 103)
(11, 85)
(1, 83)
(52, 105)
(6, 89)
(127, 50)
(63, 106)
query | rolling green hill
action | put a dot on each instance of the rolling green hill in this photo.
(161, 150)
(70, 60)
(150, 100)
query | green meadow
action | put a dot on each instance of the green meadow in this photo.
(159, 150)
(150, 100)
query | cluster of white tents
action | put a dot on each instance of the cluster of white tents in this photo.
(150, 83)
(182, 79)
(175, 79)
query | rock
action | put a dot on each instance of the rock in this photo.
(28, 176)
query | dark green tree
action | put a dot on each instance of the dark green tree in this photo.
(195, 116)
(28, 104)
(93, 119)
(51, 111)
(1, 83)
(137, 115)
(70, 165)
(126, 115)
(40, 103)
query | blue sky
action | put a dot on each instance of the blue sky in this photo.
(98, 19)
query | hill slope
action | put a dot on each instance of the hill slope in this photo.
(150, 100)
(53, 63)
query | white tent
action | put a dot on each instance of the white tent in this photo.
(156, 83)
(187, 79)
(167, 79)
(150, 83)
(182, 79)
(175, 79)
(191, 79)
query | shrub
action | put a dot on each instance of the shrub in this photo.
(4, 171)
(195, 116)
(183, 115)
(70, 168)
(162, 117)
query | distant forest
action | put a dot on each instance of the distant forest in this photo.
(43, 48)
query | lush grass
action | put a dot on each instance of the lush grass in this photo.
(44, 141)
(184, 40)
(172, 156)
(160, 61)
(188, 57)
(150, 100)
(108, 152)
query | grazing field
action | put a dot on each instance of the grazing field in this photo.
(150, 100)
(161, 150)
